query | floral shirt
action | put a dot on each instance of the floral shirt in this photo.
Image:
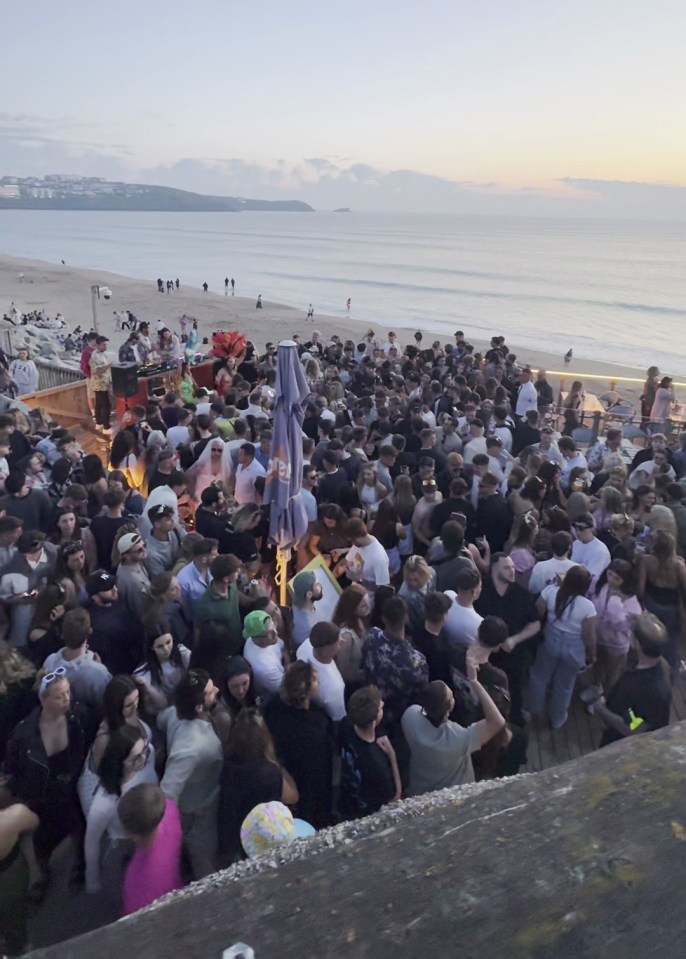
(394, 665)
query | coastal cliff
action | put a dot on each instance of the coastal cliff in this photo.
(571, 862)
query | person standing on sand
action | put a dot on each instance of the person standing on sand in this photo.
(258, 305)
(310, 313)
(568, 357)
(205, 288)
(233, 286)
(348, 301)
(226, 286)
(160, 286)
(177, 283)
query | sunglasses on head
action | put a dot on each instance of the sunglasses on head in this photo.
(72, 548)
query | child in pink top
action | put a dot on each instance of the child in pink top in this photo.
(153, 822)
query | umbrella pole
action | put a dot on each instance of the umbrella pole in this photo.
(283, 558)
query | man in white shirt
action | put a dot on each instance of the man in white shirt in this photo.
(527, 398)
(320, 651)
(646, 472)
(476, 442)
(246, 473)
(179, 435)
(462, 622)
(366, 561)
(547, 448)
(551, 571)
(573, 459)
(588, 550)
(265, 652)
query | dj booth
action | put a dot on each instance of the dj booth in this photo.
(133, 385)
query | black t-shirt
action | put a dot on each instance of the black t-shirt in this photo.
(516, 606)
(240, 544)
(367, 781)
(647, 693)
(157, 479)
(302, 738)
(208, 524)
(436, 652)
(104, 530)
(493, 521)
(330, 486)
(244, 786)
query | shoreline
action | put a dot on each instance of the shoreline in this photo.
(66, 289)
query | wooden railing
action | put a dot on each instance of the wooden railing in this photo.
(52, 375)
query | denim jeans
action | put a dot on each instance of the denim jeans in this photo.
(559, 660)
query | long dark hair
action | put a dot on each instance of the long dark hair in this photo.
(576, 583)
(111, 768)
(123, 444)
(249, 739)
(116, 691)
(150, 659)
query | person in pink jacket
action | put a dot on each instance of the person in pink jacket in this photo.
(616, 604)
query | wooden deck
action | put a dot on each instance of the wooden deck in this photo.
(581, 733)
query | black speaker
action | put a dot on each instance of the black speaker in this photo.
(125, 379)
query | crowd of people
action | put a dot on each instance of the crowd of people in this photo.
(158, 706)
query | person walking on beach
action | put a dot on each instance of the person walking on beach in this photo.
(160, 286)
(226, 286)
(258, 305)
(205, 287)
(310, 313)
(568, 357)
(233, 286)
(177, 283)
(348, 301)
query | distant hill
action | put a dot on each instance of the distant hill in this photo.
(343, 209)
(135, 196)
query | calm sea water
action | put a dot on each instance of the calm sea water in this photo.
(612, 290)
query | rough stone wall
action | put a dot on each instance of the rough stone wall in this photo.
(587, 859)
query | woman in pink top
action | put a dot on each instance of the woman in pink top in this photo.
(615, 604)
(153, 823)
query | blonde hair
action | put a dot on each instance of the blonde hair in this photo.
(417, 564)
(661, 518)
(13, 667)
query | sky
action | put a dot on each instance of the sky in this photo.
(529, 106)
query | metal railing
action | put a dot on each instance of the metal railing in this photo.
(51, 375)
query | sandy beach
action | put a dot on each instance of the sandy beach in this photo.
(66, 289)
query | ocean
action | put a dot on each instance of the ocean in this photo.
(612, 290)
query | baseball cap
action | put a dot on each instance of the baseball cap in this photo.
(30, 541)
(256, 623)
(127, 541)
(302, 585)
(100, 582)
(271, 824)
(157, 512)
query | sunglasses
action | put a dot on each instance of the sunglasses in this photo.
(50, 678)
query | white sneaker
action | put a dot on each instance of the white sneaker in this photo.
(591, 694)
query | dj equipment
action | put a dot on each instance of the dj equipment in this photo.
(124, 379)
(156, 369)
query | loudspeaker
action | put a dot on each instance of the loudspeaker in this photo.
(125, 379)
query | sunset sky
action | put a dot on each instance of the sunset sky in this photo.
(499, 95)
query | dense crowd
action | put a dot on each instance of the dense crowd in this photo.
(157, 705)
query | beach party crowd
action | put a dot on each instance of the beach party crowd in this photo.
(160, 709)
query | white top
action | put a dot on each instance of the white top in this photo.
(549, 572)
(504, 434)
(310, 503)
(245, 482)
(171, 674)
(527, 399)
(475, 445)
(576, 462)
(103, 817)
(267, 666)
(369, 564)
(439, 756)
(331, 695)
(462, 622)
(595, 556)
(178, 436)
(574, 616)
